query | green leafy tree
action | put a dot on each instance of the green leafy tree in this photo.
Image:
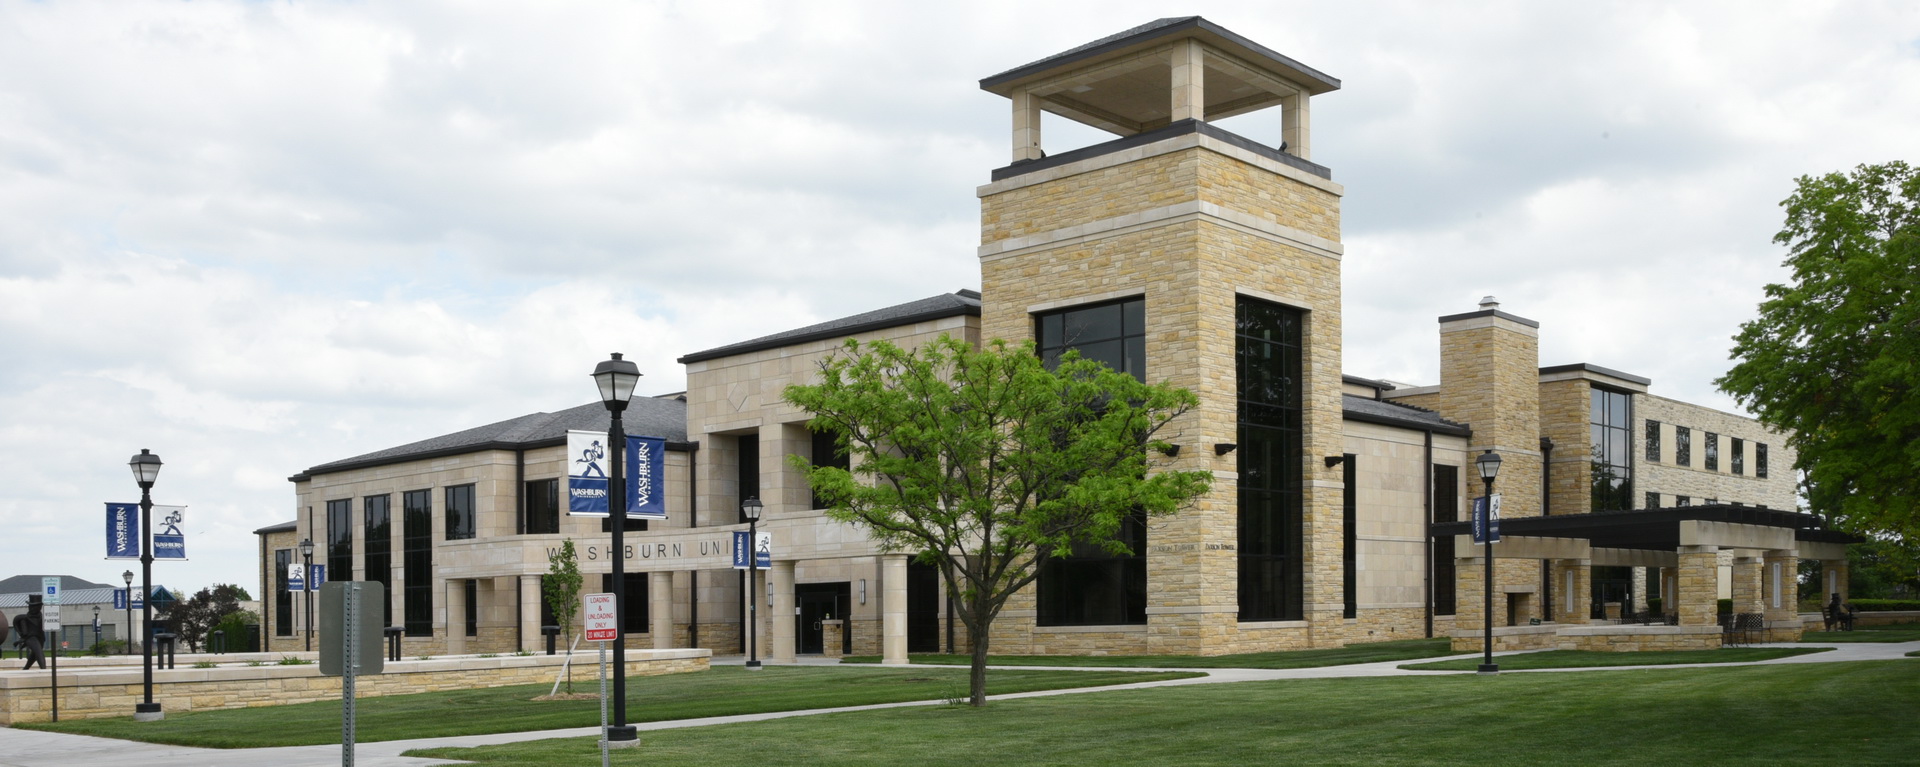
(561, 588)
(985, 463)
(195, 617)
(1834, 356)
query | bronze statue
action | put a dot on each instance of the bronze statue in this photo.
(29, 631)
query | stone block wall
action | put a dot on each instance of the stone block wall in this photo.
(1671, 479)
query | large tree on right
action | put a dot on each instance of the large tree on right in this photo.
(1835, 354)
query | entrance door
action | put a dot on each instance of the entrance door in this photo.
(1612, 586)
(923, 607)
(818, 602)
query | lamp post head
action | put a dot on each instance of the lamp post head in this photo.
(96, 612)
(751, 507)
(128, 577)
(146, 468)
(306, 547)
(616, 378)
(1489, 465)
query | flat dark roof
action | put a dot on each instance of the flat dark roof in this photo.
(1655, 529)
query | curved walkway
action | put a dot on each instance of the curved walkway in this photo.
(27, 748)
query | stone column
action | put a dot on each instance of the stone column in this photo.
(1834, 576)
(1468, 602)
(1573, 590)
(1026, 126)
(531, 639)
(893, 608)
(1188, 81)
(1296, 119)
(660, 609)
(1782, 596)
(780, 614)
(1698, 591)
(831, 637)
(1746, 585)
(456, 624)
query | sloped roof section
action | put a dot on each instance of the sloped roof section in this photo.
(957, 303)
(645, 416)
(30, 584)
(1395, 414)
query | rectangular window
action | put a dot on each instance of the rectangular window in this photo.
(379, 514)
(416, 530)
(1683, 446)
(1760, 460)
(1653, 500)
(1114, 333)
(1270, 460)
(1739, 450)
(1681, 500)
(1710, 501)
(460, 512)
(282, 597)
(824, 452)
(340, 540)
(1350, 546)
(473, 607)
(1446, 508)
(1653, 441)
(1712, 444)
(541, 502)
(1093, 586)
(747, 474)
(1612, 412)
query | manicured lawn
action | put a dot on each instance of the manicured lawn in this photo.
(721, 691)
(1899, 632)
(1372, 652)
(1744, 715)
(1591, 659)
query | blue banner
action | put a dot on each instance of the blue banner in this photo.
(1486, 519)
(120, 600)
(316, 576)
(168, 541)
(763, 552)
(587, 476)
(296, 578)
(123, 531)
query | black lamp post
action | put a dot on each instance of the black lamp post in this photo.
(1489, 465)
(306, 585)
(616, 378)
(96, 625)
(146, 469)
(751, 508)
(128, 577)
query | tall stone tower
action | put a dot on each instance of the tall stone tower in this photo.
(1187, 254)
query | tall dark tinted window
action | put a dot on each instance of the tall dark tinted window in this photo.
(1612, 416)
(748, 473)
(542, 501)
(1760, 460)
(473, 607)
(1267, 360)
(1350, 545)
(1446, 508)
(826, 453)
(416, 531)
(379, 512)
(1114, 333)
(1712, 441)
(1739, 449)
(1093, 587)
(1653, 440)
(1683, 446)
(340, 540)
(282, 598)
(460, 512)
(1090, 586)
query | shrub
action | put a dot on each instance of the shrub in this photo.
(1885, 605)
(288, 660)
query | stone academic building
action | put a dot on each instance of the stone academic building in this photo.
(1178, 252)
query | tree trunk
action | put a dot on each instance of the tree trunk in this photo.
(977, 685)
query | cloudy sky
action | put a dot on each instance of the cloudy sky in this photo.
(255, 237)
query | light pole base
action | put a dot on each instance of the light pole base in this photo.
(1489, 668)
(147, 712)
(622, 736)
(753, 665)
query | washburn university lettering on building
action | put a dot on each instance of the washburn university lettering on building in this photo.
(1192, 251)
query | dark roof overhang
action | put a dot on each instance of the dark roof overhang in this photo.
(1654, 529)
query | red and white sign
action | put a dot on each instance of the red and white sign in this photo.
(602, 621)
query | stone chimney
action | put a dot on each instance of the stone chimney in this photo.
(1490, 380)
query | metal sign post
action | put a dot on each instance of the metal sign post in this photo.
(350, 645)
(603, 626)
(50, 628)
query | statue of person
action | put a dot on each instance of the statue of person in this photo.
(30, 631)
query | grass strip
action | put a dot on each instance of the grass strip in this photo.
(1594, 659)
(1371, 652)
(1898, 632)
(1742, 715)
(720, 691)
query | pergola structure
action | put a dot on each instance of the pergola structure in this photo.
(1686, 545)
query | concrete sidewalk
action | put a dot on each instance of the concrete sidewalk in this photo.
(26, 748)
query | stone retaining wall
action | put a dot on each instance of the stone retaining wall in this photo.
(96, 693)
(1604, 638)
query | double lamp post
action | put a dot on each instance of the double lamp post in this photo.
(1489, 465)
(146, 469)
(617, 378)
